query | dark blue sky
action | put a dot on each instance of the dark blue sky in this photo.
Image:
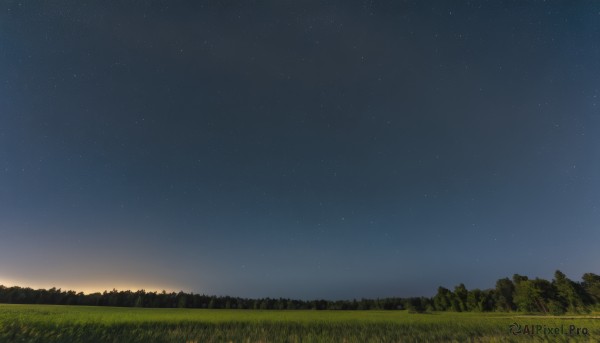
(298, 148)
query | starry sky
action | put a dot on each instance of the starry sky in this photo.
(304, 149)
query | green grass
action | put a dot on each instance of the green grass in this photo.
(49, 323)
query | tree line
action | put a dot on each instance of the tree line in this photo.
(561, 295)
(522, 294)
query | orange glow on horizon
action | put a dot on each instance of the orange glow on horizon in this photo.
(89, 288)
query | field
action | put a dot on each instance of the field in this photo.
(50, 323)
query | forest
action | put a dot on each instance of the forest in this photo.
(522, 294)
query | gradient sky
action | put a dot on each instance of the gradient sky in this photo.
(299, 149)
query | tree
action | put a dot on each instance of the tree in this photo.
(442, 301)
(567, 293)
(291, 305)
(264, 305)
(182, 300)
(545, 291)
(474, 298)
(524, 296)
(532, 295)
(504, 293)
(415, 305)
(212, 303)
(486, 303)
(591, 286)
(518, 278)
(461, 293)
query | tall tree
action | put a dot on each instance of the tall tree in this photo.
(443, 299)
(474, 300)
(461, 294)
(526, 296)
(591, 286)
(505, 290)
(567, 293)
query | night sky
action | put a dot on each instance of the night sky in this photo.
(304, 149)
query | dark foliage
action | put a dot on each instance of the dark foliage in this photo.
(520, 294)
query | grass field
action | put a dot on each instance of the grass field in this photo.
(49, 323)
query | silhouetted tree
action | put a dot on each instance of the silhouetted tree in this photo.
(523, 294)
(591, 287)
(504, 294)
